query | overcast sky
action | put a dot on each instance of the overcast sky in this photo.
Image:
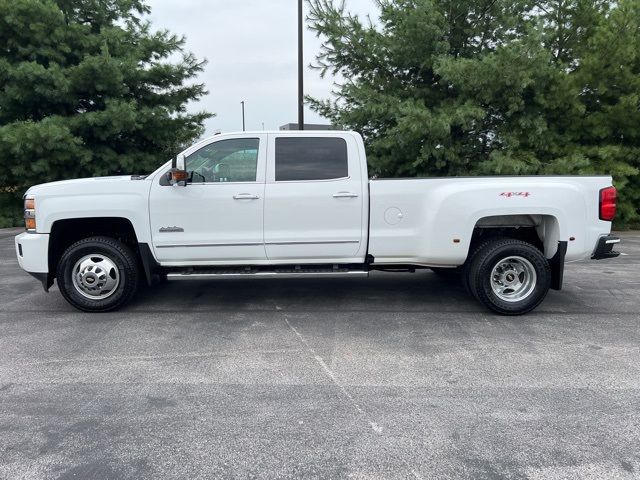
(251, 48)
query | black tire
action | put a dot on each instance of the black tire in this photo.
(480, 281)
(115, 252)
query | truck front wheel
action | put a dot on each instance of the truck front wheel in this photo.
(98, 274)
(509, 276)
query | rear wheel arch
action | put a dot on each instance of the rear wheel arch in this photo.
(540, 230)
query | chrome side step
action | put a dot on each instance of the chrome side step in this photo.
(212, 274)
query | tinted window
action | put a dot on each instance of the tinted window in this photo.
(225, 161)
(311, 159)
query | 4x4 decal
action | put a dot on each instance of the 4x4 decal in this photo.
(515, 194)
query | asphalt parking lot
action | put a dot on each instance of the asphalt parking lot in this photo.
(397, 376)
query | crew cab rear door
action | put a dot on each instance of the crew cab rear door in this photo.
(314, 198)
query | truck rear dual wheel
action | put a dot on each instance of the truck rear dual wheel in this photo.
(509, 276)
(98, 274)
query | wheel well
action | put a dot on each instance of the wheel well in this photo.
(526, 234)
(541, 231)
(537, 230)
(64, 233)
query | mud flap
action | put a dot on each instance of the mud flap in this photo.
(557, 266)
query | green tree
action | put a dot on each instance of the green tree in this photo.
(451, 87)
(87, 88)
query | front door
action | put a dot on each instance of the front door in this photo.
(217, 218)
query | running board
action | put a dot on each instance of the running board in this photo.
(249, 273)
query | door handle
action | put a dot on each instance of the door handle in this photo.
(345, 195)
(246, 196)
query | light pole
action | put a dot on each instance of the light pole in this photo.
(300, 66)
(243, 126)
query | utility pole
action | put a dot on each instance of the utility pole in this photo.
(243, 125)
(300, 66)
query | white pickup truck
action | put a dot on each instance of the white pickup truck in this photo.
(301, 203)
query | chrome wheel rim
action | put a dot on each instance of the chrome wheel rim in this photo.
(513, 279)
(95, 277)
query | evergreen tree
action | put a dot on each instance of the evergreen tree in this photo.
(87, 88)
(451, 87)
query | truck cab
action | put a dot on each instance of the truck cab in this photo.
(243, 205)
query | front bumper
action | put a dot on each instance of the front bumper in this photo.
(32, 250)
(604, 248)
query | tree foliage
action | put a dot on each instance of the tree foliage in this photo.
(87, 88)
(459, 87)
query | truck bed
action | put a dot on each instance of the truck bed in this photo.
(430, 220)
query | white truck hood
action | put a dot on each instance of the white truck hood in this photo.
(67, 186)
(116, 197)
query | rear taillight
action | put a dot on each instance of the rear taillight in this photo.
(608, 203)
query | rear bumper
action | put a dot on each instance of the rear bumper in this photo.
(32, 250)
(604, 248)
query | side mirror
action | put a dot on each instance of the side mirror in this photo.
(177, 178)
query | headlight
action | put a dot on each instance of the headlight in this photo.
(30, 214)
